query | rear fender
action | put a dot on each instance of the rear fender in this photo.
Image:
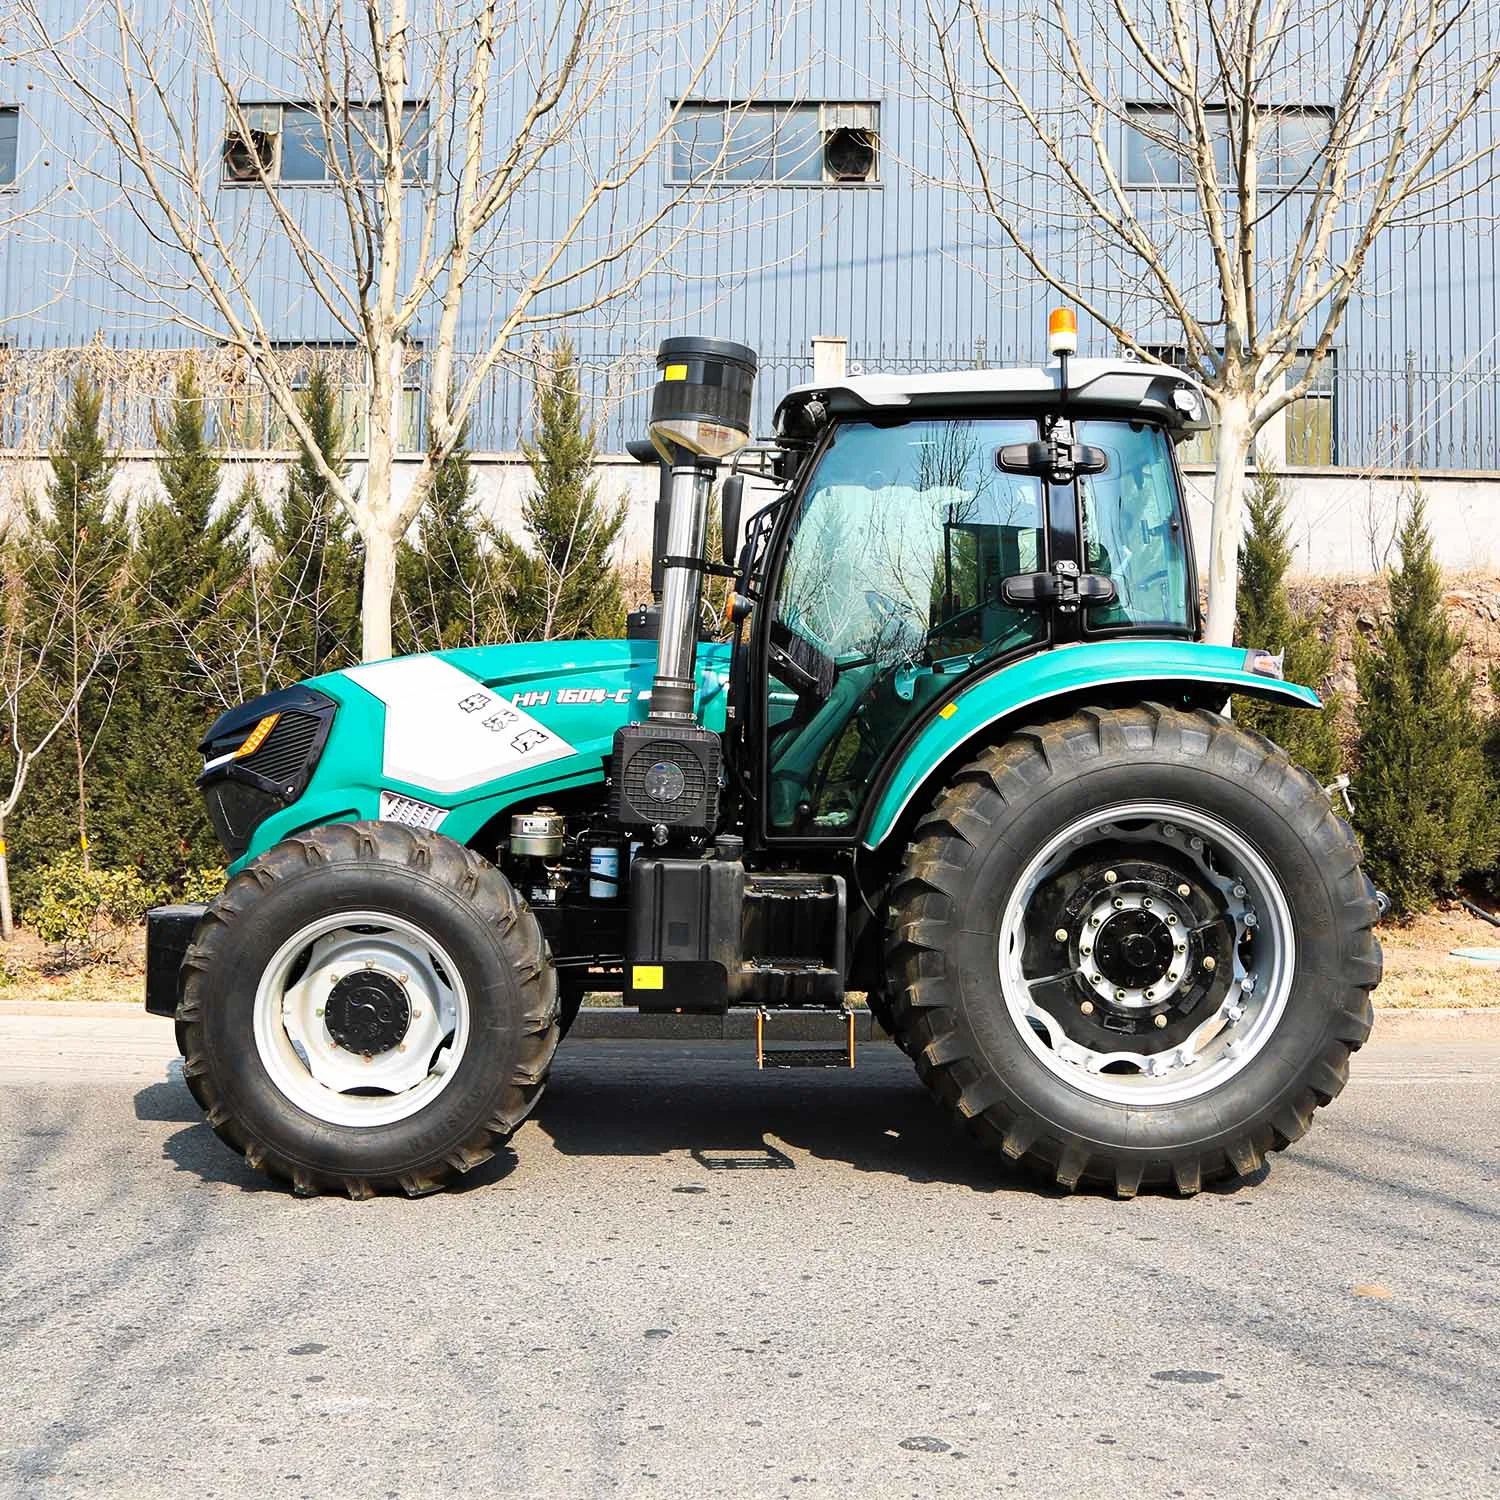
(1051, 683)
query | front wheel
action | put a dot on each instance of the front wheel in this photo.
(367, 1007)
(1134, 946)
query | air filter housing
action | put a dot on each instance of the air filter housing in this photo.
(666, 774)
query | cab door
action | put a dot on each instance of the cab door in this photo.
(887, 591)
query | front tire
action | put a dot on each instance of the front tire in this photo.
(1133, 947)
(367, 1008)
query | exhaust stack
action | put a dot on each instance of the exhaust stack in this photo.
(700, 415)
(665, 772)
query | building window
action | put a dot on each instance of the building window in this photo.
(289, 144)
(821, 144)
(1292, 141)
(1311, 425)
(10, 135)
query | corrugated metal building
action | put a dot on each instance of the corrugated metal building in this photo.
(846, 221)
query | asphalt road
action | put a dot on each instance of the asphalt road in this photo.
(693, 1280)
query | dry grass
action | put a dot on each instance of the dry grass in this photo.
(1419, 967)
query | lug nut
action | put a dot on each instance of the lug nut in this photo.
(318, 1011)
(1159, 1022)
(1119, 994)
(1151, 994)
(1171, 919)
(1118, 902)
(1184, 889)
(1146, 901)
(1061, 934)
(1173, 976)
(1209, 964)
(1239, 893)
(404, 978)
(1181, 948)
(1087, 1008)
(416, 1015)
(1251, 919)
(1093, 921)
(1169, 830)
(1195, 844)
(1085, 951)
(1110, 877)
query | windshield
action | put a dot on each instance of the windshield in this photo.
(897, 553)
(1132, 528)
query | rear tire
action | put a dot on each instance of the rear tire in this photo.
(1026, 1058)
(459, 966)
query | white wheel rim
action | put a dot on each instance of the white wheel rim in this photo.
(305, 1061)
(1242, 1006)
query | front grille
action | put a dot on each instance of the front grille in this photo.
(284, 754)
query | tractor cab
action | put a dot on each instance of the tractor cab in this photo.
(937, 528)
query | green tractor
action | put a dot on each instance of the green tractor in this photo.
(966, 753)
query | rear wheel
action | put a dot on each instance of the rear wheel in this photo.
(367, 1007)
(1134, 946)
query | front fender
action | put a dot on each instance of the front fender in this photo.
(1153, 669)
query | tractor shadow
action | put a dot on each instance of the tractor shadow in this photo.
(197, 1151)
(708, 1100)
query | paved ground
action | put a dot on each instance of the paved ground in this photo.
(693, 1280)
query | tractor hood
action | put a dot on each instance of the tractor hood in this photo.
(449, 741)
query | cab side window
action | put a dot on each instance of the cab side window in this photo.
(1132, 528)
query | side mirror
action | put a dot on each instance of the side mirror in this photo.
(731, 498)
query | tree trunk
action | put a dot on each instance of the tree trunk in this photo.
(83, 800)
(1228, 527)
(7, 919)
(378, 587)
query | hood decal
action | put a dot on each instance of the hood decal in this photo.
(448, 732)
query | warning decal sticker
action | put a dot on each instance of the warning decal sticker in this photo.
(449, 733)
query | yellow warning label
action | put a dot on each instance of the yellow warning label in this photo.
(947, 710)
(2, 848)
(645, 976)
(674, 372)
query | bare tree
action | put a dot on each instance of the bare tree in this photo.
(1283, 139)
(47, 664)
(481, 162)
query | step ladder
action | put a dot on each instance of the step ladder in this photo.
(804, 1052)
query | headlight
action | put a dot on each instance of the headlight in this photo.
(259, 758)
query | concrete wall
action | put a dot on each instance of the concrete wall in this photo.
(1343, 522)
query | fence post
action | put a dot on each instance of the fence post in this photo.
(830, 357)
(1411, 410)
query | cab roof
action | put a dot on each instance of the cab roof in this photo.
(1096, 387)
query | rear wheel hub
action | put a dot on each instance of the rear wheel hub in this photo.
(1134, 949)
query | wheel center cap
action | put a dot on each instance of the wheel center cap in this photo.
(1133, 949)
(367, 1012)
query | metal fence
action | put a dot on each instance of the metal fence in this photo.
(1421, 416)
